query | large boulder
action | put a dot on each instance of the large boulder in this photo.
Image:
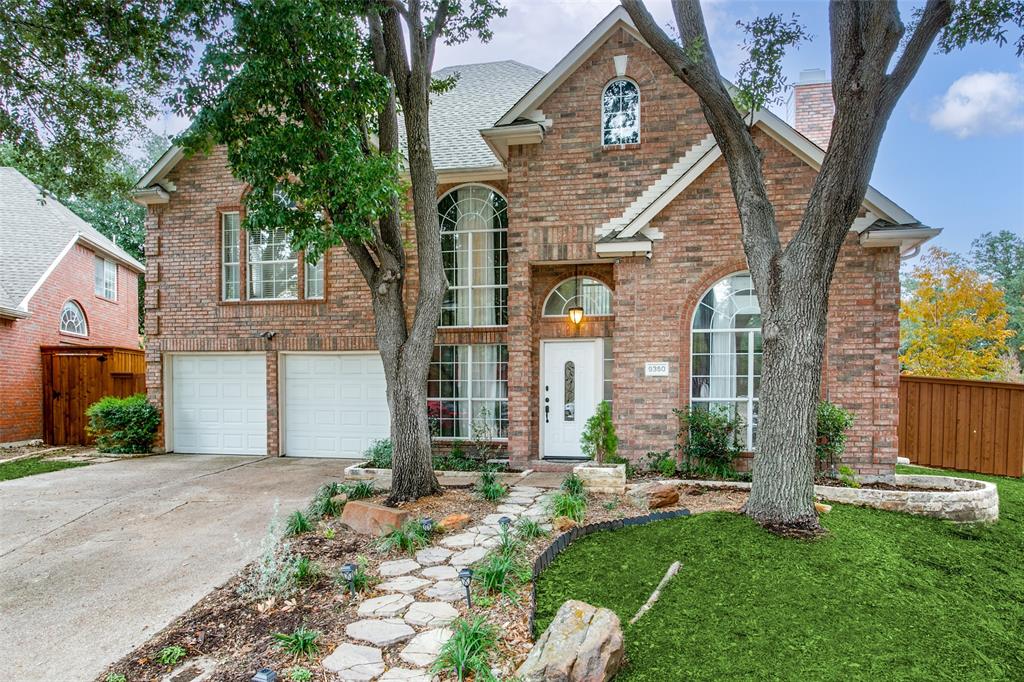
(583, 644)
(372, 519)
(654, 495)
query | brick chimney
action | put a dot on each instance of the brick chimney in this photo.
(813, 107)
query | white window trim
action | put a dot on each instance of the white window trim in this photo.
(224, 263)
(109, 268)
(306, 265)
(639, 107)
(472, 287)
(611, 293)
(468, 401)
(81, 314)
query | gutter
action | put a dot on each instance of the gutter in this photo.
(13, 313)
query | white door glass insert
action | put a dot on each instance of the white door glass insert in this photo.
(570, 391)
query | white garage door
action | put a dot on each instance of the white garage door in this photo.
(335, 404)
(219, 404)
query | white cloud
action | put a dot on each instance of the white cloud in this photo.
(982, 102)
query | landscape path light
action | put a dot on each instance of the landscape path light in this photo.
(466, 577)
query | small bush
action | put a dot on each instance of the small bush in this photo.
(170, 655)
(571, 506)
(529, 529)
(123, 425)
(360, 580)
(711, 441)
(500, 574)
(116, 677)
(271, 575)
(848, 476)
(379, 454)
(509, 543)
(300, 674)
(467, 650)
(488, 488)
(298, 523)
(833, 422)
(323, 503)
(360, 490)
(408, 538)
(301, 642)
(599, 441)
(306, 571)
(573, 485)
(663, 463)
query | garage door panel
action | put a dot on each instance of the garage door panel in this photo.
(334, 405)
(219, 404)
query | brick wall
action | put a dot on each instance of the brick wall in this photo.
(114, 323)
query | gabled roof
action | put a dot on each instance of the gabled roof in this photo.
(481, 94)
(36, 231)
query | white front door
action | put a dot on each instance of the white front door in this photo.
(569, 394)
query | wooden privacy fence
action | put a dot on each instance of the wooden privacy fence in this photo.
(961, 424)
(74, 377)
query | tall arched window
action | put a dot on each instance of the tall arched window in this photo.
(725, 361)
(72, 319)
(474, 249)
(593, 296)
(620, 113)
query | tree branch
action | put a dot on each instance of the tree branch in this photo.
(937, 14)
(436, 29)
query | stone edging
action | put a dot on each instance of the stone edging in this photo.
(565, 539)
(962, 500)
(361, 472)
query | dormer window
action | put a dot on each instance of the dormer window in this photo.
(620, 113)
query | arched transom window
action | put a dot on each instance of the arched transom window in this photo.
(72, 320)
(726, 351)
(620, 113)
(593, 296)
(474, 249)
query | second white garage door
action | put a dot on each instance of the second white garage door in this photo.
(335, 404)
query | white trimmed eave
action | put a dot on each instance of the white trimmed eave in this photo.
(99, 248)
(623, 248)
(162, 167)
(150, 196)
(13, 313)
(906, 239)
(500, 138)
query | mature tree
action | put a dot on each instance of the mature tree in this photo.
(79, 77)
(304, 94)
(870, 72)
(954, 322)
(1000, 256)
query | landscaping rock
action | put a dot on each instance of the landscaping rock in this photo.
(431, 613)
(388, 606)
(431, 556)
(355, 663)
(406, 584)
(654, 495)
(583, 644)
(446, 590)
(470, 556)
(372, 519)
(440, 573)
(564, 523)
(822, 508)
(455, 521)
(459, 541)
(424, 647)
(401, 567)
(602, 478)
(407, 675)
(379, 632)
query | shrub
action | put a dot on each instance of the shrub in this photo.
(323, 503)
(573, 485)
(360, 490)
(569, 505)
(833, 422)
(466, 652)
(848, 476)
(271, 575)
(663, 463)
(711, 440)
(509, 543)
(529, 529)
(298, 523)
(599, 440)
(305, 571)
(301, 642)
(489, 488)
(408, 538)
(379, 454)
(300, 674)
(123, 425)
(170, 655)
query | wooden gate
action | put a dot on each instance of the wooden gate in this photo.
(74, 377)
(961, 424)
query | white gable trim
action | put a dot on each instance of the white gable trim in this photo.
(46, 273)
(617, 18)
(162, 167)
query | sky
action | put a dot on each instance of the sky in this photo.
(953, 152)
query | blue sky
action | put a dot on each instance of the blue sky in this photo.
(953, 153)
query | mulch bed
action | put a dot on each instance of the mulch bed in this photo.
(238, 633)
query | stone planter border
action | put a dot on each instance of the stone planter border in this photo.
(602, 478)
(455, 479)
(567, 538)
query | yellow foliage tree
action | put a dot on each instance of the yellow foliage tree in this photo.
(953, 322)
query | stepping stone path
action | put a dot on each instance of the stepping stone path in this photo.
(396, 618)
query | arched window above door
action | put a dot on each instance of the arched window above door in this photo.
(590, 294)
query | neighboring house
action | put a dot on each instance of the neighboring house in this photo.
(597, 185)
(61, 283)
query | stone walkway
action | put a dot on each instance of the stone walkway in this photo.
(416, 609)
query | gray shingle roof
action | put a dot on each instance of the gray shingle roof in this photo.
(482, 95)
(34, 229)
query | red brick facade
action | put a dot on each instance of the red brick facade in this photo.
(559, 191)
(813, 109)
(113, 323)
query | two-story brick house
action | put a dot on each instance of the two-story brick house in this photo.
(595, 188)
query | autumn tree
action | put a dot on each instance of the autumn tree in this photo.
(874, 59)
(1000, 257)
(954, 322)
(304, 94)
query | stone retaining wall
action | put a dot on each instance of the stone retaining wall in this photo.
(456, 479)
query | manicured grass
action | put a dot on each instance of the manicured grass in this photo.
(32, 466)
(886, 596)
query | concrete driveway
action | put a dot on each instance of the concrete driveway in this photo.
(96, 559)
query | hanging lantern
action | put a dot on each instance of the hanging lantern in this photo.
(576, 314)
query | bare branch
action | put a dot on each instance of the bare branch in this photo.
(935, 17)
(437, 26)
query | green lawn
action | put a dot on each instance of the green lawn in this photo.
(886, 596)
(32, 466)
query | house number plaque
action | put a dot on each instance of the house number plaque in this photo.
(656, 369)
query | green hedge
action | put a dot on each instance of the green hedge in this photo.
(123, 425)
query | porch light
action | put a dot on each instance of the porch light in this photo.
(427, 524)
(576, 314)
(504, 522)
(264, 675)
(466, 577)
(348, 574)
